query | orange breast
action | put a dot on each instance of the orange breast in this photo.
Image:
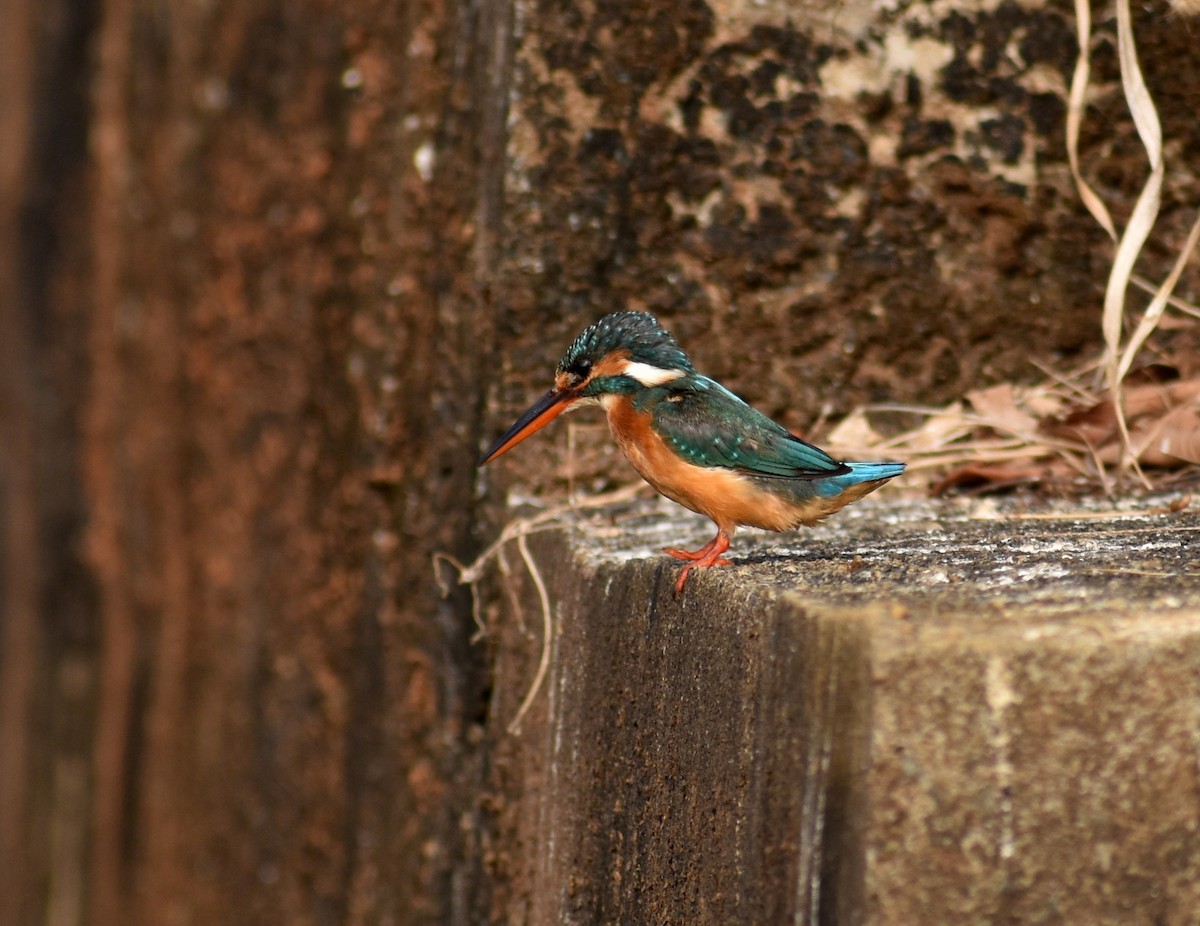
(725, 496)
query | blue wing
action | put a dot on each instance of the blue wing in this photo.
(708, 425)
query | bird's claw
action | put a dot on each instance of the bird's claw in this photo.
(683, 573)
(706, 556)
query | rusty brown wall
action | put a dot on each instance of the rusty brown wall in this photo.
(48, 619)
(271, 272)
(240, 416)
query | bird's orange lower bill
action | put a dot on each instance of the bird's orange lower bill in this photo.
(540, 414)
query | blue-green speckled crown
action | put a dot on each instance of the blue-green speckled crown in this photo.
(639, 333)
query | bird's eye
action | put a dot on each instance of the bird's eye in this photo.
(578, 373)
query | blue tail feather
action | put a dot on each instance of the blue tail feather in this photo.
(859, 473)
(866, 472)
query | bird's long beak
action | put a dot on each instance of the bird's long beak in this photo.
(540, 414)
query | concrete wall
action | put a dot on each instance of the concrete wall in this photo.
(926, 714)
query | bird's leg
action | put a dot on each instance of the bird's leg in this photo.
(707, 556)
(693, 554)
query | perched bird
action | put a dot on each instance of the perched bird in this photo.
(692, 439)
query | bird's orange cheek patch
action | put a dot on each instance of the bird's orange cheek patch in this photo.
(612, 365)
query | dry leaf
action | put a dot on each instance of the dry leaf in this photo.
(939, 429)
(1176, 437)
(990, 475)
(998, 406)
(854, 431)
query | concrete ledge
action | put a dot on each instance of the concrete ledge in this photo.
(916, 714)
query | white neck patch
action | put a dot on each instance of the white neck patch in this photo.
(649, 375)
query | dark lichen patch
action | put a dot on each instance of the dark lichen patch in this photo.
(618, 51)
(958, 31)
(1048, 115)
(1005, 136)
(964, 83)
(1049, 38)
(835, 153)
(791, 48)
(605, 143)
(688, 165)
(921, 136)
(985, 72)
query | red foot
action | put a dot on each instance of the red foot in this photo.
(706, 556)
(693, 555)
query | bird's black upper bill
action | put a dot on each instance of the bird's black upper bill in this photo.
(540, 414)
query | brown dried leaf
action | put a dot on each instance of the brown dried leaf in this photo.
(1158, 398)
(998, 406)
(939, 430)
(1175, 437)
(1093, 425)
(989, 475)
(1096, 425)
(854, 431)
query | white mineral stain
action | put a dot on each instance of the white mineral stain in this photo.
(846, 78)
(424, 159)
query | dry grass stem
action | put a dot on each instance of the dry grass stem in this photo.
(1173, 301)
(1059, 431)
(519, 529)
(1076, 104)
(1145, 213)
(547, 636)
(1119, 357)
(1158, 304)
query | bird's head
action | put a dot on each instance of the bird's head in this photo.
(621, 354)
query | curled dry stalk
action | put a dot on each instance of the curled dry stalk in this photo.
(547, 636)
(519, 529)
(1119, 358)
(1076, 104)
(1028, 431)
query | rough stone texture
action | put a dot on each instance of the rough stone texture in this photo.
(916, 714)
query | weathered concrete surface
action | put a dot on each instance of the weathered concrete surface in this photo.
(920, 713)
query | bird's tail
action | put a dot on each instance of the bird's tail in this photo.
(871, 472)
(862, 479)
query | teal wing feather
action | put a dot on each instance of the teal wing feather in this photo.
(708, 425)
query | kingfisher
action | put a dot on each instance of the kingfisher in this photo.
(692, 439)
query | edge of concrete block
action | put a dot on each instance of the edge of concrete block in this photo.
(926, 710)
